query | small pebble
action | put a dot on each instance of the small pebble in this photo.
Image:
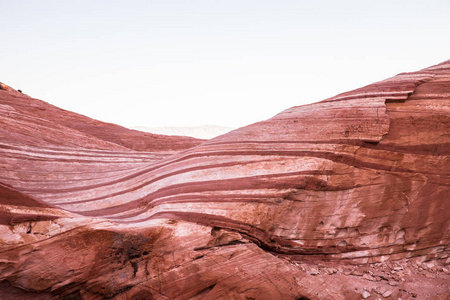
(387, 294)
(314, 271)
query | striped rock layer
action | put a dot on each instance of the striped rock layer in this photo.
(340, 199)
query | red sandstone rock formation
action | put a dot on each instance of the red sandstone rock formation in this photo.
(34, 122)
(347, 198)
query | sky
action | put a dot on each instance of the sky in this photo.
(220, 62)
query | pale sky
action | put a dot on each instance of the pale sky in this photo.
(220, 62)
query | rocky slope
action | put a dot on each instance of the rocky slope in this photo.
(347, 198)
(199, 132)
(30, 121)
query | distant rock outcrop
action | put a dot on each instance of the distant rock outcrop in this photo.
(201, 132)
(347, 198)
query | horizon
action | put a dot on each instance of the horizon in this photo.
(227, 63)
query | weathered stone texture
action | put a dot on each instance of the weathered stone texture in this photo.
(347, 198)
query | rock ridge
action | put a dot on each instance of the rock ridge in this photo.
(346, 198)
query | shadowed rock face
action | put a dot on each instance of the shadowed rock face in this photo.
(347, 198)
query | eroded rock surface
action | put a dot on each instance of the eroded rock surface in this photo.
(347, 198)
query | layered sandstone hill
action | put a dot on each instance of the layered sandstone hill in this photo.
(30, 121)
(347, 198)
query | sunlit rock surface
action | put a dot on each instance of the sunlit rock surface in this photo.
(347, 198)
